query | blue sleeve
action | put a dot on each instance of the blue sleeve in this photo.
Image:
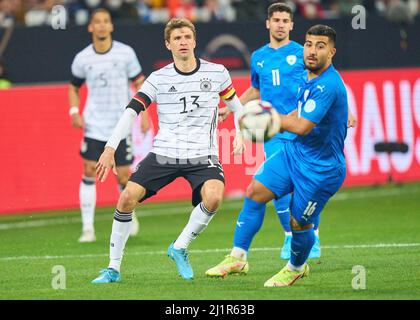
(255, 78)
(318, 103)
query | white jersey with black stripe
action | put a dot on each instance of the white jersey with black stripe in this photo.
(187, 107)
(107, 77)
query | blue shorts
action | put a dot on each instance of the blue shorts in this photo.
(311, 189)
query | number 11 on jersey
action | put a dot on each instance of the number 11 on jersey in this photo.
(276, 77)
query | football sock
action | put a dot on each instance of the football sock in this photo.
(199, 219)
(283, 211)
(119, 235)
(302, 242)
(249, 222)
(239, 253)
(87, 198)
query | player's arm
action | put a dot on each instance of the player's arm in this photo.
(74, 100)
(352, 121)
(144, 119)
(78, 76)
(138, 103)
(234, 105)
(292, 123)
(250, 94)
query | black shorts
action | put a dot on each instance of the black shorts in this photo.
(91, 149)
(155, 172)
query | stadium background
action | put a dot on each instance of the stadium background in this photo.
(40, 164)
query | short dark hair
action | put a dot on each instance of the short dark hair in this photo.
(98, 10)
(279, 7)
(322, 30)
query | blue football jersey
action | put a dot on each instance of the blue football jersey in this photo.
(277, 74)
(322, 100)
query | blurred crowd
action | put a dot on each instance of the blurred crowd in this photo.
(38, 12)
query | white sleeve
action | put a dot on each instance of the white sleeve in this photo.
(77, 67)
(225, 80)
(133, 65)
(150, 87)
(235, 106)
(122, 129)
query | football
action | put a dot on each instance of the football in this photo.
(259, 121)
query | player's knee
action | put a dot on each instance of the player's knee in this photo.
(128, 200)
(212, 198)
(257, 192)
(299, 225)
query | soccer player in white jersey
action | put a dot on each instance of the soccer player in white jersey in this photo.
(187, 93)
(108, 67)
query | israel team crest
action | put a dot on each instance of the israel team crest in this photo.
(291, 59)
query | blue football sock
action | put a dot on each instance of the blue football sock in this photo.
(316, 221)
(283, 211)
(302, 242)
(249, 222)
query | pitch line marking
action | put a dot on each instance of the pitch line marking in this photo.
(163, 252)
(183, 210)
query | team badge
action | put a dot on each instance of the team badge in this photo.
(205, 85)
(291, 60)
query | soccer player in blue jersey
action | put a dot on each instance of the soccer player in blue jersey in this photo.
(312, 166)
(276, 70)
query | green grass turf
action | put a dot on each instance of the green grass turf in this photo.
(353, 224)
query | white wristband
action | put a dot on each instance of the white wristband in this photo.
(73, 110)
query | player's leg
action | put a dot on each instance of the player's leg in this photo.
(120, 231)
(123, 159)
(211, 198)
(90, 151)
(316, 249)
(206, 178)
(281, 205)
(87, 198)
(311, 193)
(143, 183)
(270, 180)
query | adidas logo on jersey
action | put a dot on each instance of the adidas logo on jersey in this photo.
(172, 89)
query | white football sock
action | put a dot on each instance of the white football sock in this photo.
(288, 234)
(291, 267)
(87, 198)
(199, 219)
(239, 253)
(120, 232)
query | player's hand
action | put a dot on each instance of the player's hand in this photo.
(77, 121)
(352, 122)
(105, 163)
(238, 144)
(223, 114)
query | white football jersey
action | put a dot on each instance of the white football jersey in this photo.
(107, 78)
(187, 107)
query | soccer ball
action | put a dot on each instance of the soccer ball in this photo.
(259, 121)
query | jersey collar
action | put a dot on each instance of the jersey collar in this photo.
(191, 72)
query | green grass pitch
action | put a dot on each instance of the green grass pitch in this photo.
(374, 227)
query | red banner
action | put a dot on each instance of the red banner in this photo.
(41, 167)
